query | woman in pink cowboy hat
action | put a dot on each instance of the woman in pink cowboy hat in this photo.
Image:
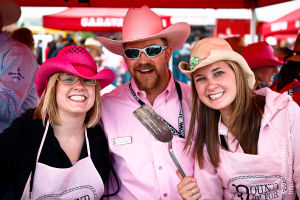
(58, 150)
(247, 143)
(260, 57)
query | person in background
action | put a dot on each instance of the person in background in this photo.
(262, 62)
(237, 43)
(17, 70)
(93, 47)
(247, 142)
(282, 52)
(289, 75)
(55, 46)
(24, 35)
(112, 61)
(59, 150)
(183, 55)
(39, 52)
(143, 164)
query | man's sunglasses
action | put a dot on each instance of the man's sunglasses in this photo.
(69, 79)
(150, 51)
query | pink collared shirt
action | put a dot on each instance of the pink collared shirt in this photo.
(143, 164)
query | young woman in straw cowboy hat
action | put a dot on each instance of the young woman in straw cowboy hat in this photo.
(247, 142)
(58, 150)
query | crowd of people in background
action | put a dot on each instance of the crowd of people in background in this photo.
(111, 118)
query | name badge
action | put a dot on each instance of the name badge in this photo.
(122, 140)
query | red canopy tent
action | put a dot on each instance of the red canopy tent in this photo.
(232, 27)
(284, 27)
(252, 4)
(152, 3)
(90, 19)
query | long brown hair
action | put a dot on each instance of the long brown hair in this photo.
(244, 121)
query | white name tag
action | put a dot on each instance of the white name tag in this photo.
(122, 140)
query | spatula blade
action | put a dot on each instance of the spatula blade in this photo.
(154, 123)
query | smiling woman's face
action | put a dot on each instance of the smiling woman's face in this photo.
(216, 85)
(76, 98)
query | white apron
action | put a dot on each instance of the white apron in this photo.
(247, 176)
(81, 181)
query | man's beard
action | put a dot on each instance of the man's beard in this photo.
(144, 83)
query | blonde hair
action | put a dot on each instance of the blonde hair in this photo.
(244, 121)
(47, 106)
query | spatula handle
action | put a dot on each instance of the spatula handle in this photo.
(175, 159)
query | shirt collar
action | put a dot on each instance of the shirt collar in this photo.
(165, 94)
(223, 130)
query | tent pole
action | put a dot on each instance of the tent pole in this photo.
(253, 22)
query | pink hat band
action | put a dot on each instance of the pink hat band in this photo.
(74, 60)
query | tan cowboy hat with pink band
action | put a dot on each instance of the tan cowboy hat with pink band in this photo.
(143, 24)
(213, 49)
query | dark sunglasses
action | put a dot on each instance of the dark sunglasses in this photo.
(150, 51)
(69, 79)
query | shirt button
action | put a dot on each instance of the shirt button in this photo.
(160, 167)
(165, 194)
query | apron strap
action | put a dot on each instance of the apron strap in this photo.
(37, 158)
(87, 142)
(42, 142)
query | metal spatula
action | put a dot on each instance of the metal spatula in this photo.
(157, 127)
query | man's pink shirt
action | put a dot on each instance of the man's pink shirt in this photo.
(143, 164)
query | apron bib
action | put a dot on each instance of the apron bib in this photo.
(81, 181)
(247, 176)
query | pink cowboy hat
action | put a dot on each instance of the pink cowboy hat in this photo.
(260, 54)
(143, 24)
(74, 60)
(10, 11)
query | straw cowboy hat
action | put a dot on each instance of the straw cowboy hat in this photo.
(213, 49)
(260, 54)
(74, 60)
(94, 44)
(143, 24)
(10, 12)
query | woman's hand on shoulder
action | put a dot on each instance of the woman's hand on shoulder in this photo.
(188, 188)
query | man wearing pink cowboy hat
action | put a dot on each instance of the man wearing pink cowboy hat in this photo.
(17, 70)
(260, 57)
(143, 164)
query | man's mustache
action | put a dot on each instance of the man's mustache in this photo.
(144, 66)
